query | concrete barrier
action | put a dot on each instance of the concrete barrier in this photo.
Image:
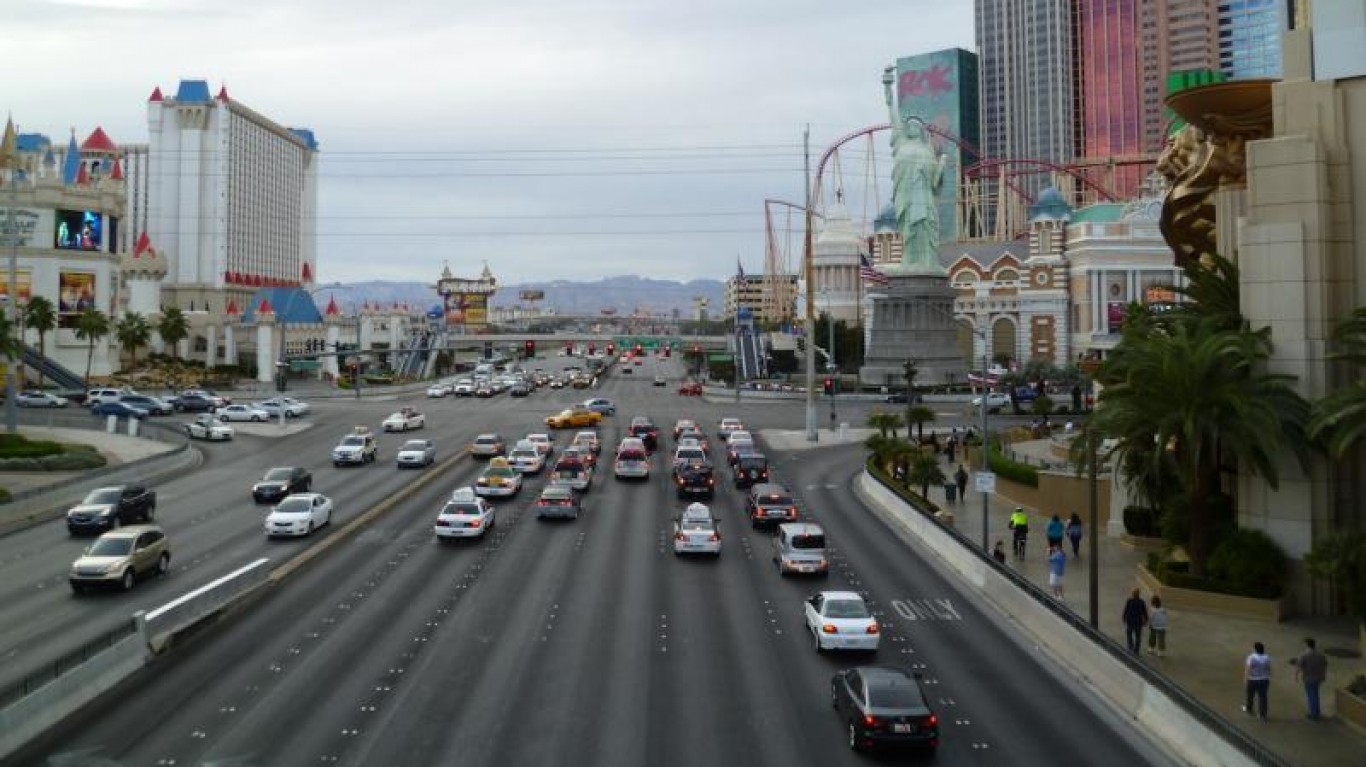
(1161, 716)
(32, 714)
(157, 627)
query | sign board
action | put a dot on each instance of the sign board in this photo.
(986, 481)
(531, 295)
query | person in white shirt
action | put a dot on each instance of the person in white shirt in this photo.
(1257, 678)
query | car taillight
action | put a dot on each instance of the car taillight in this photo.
(711, 480)
(869, 720)
(680, 537)
(442, 523)
(543, 502)
(791, 513)
(830, 628)
(872, 628)
(932, 721)
(475, 523)
(715, 537)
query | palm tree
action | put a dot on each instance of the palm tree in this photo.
(885, 422)
(1192, 392)
(1340, 418)
(924, 471)
(173, 327)
(40, 315)
(133, 332)
(10, 344)
(882, 447)
(919, 415)
(91, 326)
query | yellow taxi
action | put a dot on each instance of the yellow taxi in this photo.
(574, 417)
(498, 480)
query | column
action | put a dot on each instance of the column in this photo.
(211, 350)
(330, 366)
(265, 359)
(229, 345)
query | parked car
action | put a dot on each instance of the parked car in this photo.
(118, 409)
(120, 557)
(884, 706)
(39, 399)
(275, 406)
(153, 405)
(280, 482)
(195, 403)
(106, 508)
(242, 413)
(995, 401)
(98, 396)
(207, 427)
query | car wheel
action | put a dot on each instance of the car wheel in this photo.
(310, 528)
(820, 649)
(128, 579)
(77, 589)
(853, 738)
(164, 564)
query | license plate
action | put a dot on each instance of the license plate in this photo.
(900, 727)
(776, 513)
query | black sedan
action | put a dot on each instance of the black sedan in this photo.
(884, 706)
(194, 403)
(280, 482)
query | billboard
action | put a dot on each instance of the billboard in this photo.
(23, 284)
(25, 227)
(941, 89)
(75, 294)
(468, 309)
(78, 230)
(532, 295)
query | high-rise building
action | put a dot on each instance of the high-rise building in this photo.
(941, 88)
(231, 197)
(1177, 36)
(1250, 34)
(1027, 83)
(1110, 84)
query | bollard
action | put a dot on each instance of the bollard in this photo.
(844, 431)
(133, 425)
(111, 424)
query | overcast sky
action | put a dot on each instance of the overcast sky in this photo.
(555, 139)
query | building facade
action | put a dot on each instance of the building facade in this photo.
(1110, 84)
(835, 265)
(940, 88)
(745, 290)
(1250, 37)
(1177, 36)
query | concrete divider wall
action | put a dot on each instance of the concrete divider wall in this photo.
(1162, 718)
(29, 716)
(158, 626)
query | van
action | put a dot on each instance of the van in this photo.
(799, 547)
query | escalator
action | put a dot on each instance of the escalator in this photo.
(749, 356)
(51, 371)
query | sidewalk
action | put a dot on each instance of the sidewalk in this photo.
(1204, 652)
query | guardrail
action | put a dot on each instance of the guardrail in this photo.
(51, 670)
(157, 627)
(1109, 662)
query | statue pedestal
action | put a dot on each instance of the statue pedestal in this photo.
(913, 320)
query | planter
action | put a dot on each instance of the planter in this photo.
(1350, 709)
(1142, 543)
(1269, 610)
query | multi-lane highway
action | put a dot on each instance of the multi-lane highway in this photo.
(574, 643)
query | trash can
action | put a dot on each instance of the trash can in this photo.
(951, 492)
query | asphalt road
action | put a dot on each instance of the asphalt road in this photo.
(572, 643)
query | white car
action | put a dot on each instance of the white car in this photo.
(499, 480)
(465, 515)
(695, 531)
(297, 405)
(840, 620)
(439, 390)
(543, 443)
(405, 420)
(39, 399)
(995, 401)
(210, 428)
(729, 425)
(463, 388)
(242, 413)
(299, 514)
(416, 453)
(276, 406)
(526, 458)
(632, 461)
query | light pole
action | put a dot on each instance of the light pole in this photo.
(12, 309)
(808, 271)
(830, 366)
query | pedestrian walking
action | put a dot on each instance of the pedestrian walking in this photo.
(1057, 563)
(1054, 532)
(1135, 618)
(1257, 679)
(1074, 534)
(961, 478)
(1157, 628)
(949, 446)
(999, 553)
(1311, 668)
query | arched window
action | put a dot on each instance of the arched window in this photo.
(965, 278)
(1007, 278)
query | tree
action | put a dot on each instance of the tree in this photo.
(919, 415)
(173, 327)
(885, 422)
(1339, 421)
(133, 333)
(1042, 406)
(40, 315)
(924, 471)
(91, 326)
(1193, 392)
(10, 345)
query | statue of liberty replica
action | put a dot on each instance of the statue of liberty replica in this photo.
(912, 317)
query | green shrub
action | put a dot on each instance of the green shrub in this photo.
(20, 464)
(19, 446)
(1014, 471)
(76, 460)
(1140, 521)
(4, 495)
(1250, 562)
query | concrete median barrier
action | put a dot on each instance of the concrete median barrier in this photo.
(159, 626)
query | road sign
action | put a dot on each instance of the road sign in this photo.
(986, 481)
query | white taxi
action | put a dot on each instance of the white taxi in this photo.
(404, 420)
(465, 515)
(840, 620)
(542, 441)
(526, 458)
(695, 531)
(498, 480)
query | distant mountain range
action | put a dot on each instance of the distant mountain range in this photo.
(622, 294)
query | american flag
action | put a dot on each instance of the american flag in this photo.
(868, 273)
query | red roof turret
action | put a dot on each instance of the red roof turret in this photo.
(232, 309)
(156, 94)
(98, 141)
(82, 176)
(117, 172)
(332, 309)
(144, 245)
(223, 94)
(265, 307)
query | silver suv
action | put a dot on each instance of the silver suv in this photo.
(119, 557)
(799, 547)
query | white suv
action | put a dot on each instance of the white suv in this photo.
(100, 396)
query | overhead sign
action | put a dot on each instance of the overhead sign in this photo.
(531, 295)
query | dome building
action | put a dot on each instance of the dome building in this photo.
(835, 266)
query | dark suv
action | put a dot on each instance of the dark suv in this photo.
(751, 469)
(646, 431)
(695, 478)
(768, 504)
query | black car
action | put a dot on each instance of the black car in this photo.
(884, 706)
(695, 478)
(519, 389)
(277, 483)
(193, 403)
(648, 433)
(750, 470)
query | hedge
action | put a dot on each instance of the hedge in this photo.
(19, 446)
(1012, 470)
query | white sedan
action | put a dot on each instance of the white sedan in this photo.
(210, 428)
(242, 413)
(299, 514)
(297, 405)
(439, 390)
(417, 453)
(695, 532)
(526, 458)
(840, 620)
(276, 406)
(543, 442)
(39, 399)
(465, 515)
(404, 420)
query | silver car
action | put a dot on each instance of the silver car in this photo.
(416, 453)
(799, 547)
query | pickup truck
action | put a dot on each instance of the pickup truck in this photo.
(109, 507)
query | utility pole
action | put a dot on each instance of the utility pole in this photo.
(12, 309)
(809, 275)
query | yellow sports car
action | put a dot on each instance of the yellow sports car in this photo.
(573, 418)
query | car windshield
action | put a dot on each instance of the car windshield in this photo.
(554, 495)
(278, 475)
(525, 452)
(414, 444)
(895, 694)
(775, 500)
(753, 463)
(808, 541)
(111, 547)
(486, 441)
(467, 509)
(500, 471)
(696, 524)
(294, 505)
(104, 495)
(353, 442)
(845, 608)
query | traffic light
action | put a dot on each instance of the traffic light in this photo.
(530, 348)
(592, 349)
(668, 352)
(801, 344)
(611, 348)
(830, 387)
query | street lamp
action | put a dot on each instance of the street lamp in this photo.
(830, 366)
